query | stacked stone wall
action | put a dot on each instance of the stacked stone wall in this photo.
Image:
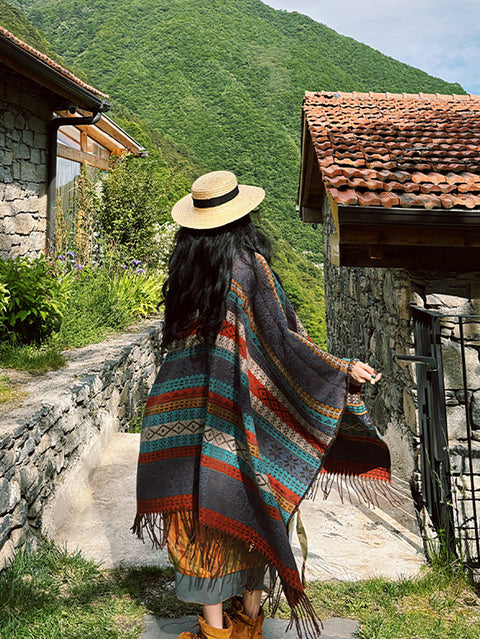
(25, 110)
(54, 439)
(368, 315)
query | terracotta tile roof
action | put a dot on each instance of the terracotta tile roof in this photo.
(49, 62)
(405, 150)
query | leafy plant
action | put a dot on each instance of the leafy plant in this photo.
(4, 299)
(37, 297)
(131, 208)
(137, 291)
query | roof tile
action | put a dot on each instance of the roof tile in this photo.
(389, 199)
(348, 196)
(368, 199)
(409, 150)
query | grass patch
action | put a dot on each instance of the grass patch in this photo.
(437, 604)
(54, 594)
(28, 357)
(6, 390)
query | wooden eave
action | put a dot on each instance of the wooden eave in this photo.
(110, 136)
(444, 239)
(311, 192)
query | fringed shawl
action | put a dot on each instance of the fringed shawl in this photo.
(236, 434)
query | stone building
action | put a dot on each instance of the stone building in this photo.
(394, 180)
(51, 123)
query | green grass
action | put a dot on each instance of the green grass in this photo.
(52, 594)
(28, 357)
(436, 604)
(6, 390)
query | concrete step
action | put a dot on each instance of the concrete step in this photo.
(156, 628)
(346, 541)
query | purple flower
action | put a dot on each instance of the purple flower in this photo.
(139, 271)
(135, 263)
(124, 266)
(71, 254)
(61, 258)
(79, 266)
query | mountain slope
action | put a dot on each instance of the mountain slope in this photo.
(221, 82)
(225, 79)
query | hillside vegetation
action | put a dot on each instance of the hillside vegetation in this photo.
(223, 82)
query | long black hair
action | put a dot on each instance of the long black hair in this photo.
(200, 274)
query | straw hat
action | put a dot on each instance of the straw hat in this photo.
(216, 199)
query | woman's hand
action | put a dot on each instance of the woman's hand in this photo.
(362, 373)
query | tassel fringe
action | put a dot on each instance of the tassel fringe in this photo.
(357, 489)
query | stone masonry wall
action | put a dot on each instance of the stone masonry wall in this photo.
(55, 437)
(368, 317)
(25, 110)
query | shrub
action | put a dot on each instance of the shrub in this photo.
(132, 208)
(137, 291)
(105, 300)
(37, 296)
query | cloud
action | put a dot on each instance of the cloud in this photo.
(439, 36)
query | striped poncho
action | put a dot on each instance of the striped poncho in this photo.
(237, 433)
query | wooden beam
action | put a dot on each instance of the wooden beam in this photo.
(75, 155)
(334, 210)
(409, 236)
(96, 135)
(437, 258)
(104, 125)
(83, 141)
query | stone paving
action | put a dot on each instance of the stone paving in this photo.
(346, 542)
(272, 628)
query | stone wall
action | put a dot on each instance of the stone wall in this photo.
(368, 317)
(25, 110)
(54, 439)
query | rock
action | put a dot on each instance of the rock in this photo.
(452, 366)
(456, 422)
(4, 496)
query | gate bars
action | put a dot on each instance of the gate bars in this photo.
(454, 522)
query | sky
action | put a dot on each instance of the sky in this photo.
(441, 37)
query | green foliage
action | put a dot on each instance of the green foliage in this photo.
(37, 297)
(104, 301)
(132, 207)
(29, 357)
(139, 292)
(13, 20)
(4, 300)
(53, 593)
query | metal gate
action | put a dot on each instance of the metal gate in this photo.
(445, 492)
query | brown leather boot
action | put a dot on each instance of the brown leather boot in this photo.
(209, 632)
(245, 627)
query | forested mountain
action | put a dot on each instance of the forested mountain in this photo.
(224, 78)
(224, 81)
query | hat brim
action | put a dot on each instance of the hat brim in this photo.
(186, 214)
